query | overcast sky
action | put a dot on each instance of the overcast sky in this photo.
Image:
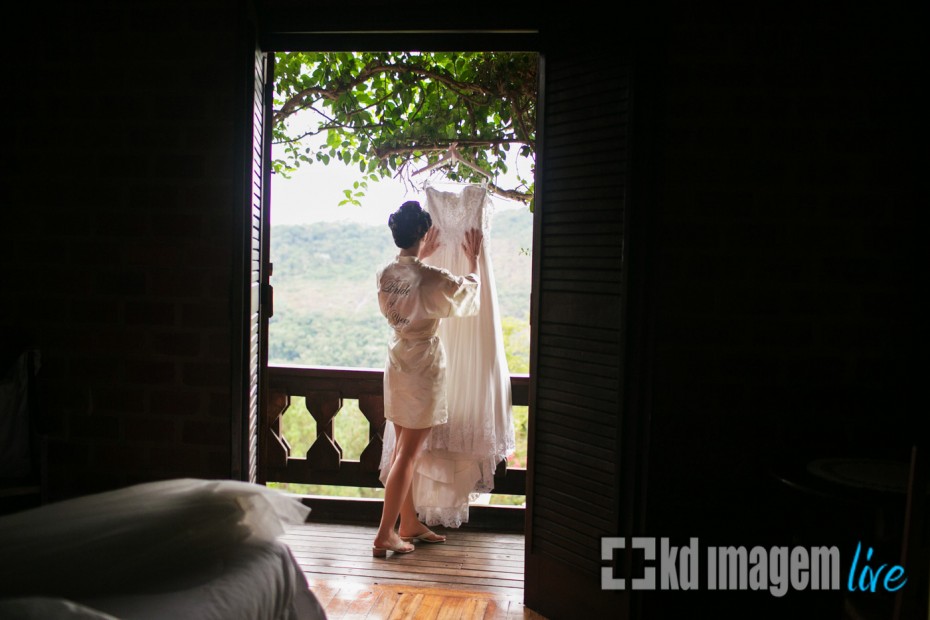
(314, 192)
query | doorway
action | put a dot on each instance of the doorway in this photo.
(331, 236)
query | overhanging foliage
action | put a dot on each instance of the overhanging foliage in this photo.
(395, 113)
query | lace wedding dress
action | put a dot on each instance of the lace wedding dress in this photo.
(459, 458)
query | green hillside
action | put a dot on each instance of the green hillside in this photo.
(325, 304)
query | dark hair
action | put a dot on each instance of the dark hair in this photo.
(409, 223)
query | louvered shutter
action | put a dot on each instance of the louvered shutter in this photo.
(574, 468)
(257, 303)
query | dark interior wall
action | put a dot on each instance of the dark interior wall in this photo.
(119, 174)
(784, 249)
(782, 278)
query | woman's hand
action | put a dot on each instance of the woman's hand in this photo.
(472, 246)
(429, 244)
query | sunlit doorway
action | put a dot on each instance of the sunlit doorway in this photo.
(328, 237)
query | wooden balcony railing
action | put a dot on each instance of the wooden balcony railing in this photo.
(324, 390)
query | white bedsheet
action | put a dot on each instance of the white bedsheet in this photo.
(184, 548)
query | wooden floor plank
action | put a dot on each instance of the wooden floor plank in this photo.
(475, 575)
(450, 553)
(429, 608)
(496, 610)
(325, 539)
(453, 608)
(423, 557)
(423, 581)
(407, 606)
(425, 560)
(383, 608)
(364, 601)
(468, 560)
(441, 574)
(332, 542)
(475, 608)
(412, 576)
(365, 535)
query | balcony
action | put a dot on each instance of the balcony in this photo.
(325, 389)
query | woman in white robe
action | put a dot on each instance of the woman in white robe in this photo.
(414, 297)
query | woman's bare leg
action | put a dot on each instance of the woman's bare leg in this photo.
(408, 515)
(397, 486)
(408, 510)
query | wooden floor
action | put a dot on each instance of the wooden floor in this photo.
(473, 575)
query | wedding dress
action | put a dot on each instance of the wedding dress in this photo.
(459, 457)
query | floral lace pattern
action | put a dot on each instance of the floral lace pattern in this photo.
(454, 213)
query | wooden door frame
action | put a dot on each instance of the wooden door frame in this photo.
(313, 30)
(271, 40)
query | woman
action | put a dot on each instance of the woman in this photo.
(413, 298)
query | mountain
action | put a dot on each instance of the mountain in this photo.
(325, 304)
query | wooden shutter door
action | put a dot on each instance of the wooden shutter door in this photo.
(261, 300)
(255, 304)
(574, 474)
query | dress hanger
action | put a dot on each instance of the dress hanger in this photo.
(452, 155)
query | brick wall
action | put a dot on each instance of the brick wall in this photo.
(119, 173)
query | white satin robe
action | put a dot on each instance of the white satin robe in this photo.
(414, 297)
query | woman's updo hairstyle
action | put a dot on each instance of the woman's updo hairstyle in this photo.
(409, 223)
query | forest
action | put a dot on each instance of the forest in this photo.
(326, 314)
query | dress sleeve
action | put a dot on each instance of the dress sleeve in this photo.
(452, 296)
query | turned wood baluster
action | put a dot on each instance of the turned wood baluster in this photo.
(372, 407)
(277, 450)
(325, 454)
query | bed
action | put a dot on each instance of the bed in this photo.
(184, 548)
